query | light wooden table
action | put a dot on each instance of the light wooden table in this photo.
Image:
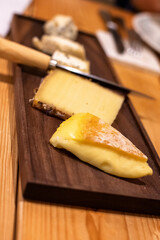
(24, 220)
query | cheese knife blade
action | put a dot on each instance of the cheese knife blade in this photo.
(21, 54)
(102, 81)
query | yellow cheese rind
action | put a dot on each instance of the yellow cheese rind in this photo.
(71, 94)
(106, 156)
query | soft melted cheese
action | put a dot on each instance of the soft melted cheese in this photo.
(110, 156)
(72, 94)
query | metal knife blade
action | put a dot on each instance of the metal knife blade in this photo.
(113, 28)
(12, 51)
(102, 81)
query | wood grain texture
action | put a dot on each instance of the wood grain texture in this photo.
(146, 82)
(83, 224)
(41, 165)
(8, 153)
(39, 222)
(36, 221)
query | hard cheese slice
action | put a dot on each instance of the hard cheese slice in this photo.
(96, 142)
(64, 94)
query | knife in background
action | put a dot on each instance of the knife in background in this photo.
(113, 29)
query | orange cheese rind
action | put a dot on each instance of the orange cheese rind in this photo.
(97, 131)
(99, 144)
(93, 130)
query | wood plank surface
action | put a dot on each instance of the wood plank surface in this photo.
(8, 153)
(36, 221)
(41, 165)
(41, 221)
(78, 224)
(81, 224)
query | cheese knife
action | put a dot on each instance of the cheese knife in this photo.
(21, 54)
(113, 29)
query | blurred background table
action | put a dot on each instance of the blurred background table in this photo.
(25, 220)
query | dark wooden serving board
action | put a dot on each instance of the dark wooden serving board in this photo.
(49, 174)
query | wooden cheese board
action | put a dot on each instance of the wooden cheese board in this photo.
(52, 175)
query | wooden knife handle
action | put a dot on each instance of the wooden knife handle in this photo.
(18, 53)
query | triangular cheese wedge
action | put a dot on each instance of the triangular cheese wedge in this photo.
(96, 142)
